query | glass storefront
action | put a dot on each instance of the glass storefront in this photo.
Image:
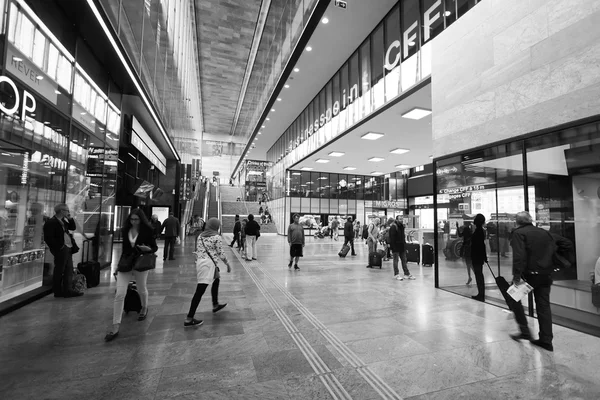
(556, 177)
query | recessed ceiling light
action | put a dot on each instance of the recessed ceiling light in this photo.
(17, 59)
(402, 166)
(306, 168)
(376, 173)
(268, 119)
(263, 127)
(308, 48)
(39, 77)
(255, 138)
(372, 136)
(296, 69)
(447, 13)
(260, 133)
(322, 161)
(272, 110)
(399, 151)
(322, 178)
(286, 86)
(349, 168)
(416, 113)
(57, 91)
(83, 113)
(431, 157)
(325, 20)
(279, 99)
(411, 43)
(376, 159)
(336, 154)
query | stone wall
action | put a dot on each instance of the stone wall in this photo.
(511, 67)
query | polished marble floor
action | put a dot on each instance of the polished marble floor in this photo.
(333, 330)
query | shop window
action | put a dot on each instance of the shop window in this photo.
(53, 56)
(39, 46)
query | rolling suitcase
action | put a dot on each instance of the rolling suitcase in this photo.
(427, 257)
(89, 269)
(375, 259)
(344, 251)
(503, 285)
(132, 299)
(413, 252)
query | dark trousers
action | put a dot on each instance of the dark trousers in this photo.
(478, 271)
(400, 256)
(236, 238)
(350, 240)
(169, 247)
(541, 291)
(63, 271)
(200, 289)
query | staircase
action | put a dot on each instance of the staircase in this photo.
(230, 207)
(231, 193)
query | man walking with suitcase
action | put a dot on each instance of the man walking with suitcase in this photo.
(533, 261)
(349, 235)
(295, 239)
(398, 244)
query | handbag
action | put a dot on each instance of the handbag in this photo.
(74, 247)
(126, 262)
(145, 262)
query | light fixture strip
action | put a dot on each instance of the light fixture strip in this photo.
(132, 76)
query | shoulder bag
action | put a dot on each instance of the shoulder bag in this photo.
(144, 262)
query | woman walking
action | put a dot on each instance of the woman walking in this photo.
(478, 256)
(138, 237)
(209, 247)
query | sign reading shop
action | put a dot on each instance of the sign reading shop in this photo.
(417, 22)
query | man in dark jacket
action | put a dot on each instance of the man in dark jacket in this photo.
(236, 232)
(156, 226)
(349, 235)
(171, 227)
(398, 245)
(533, 261)
(60, 242)
(252, 234)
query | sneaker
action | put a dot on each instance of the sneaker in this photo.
(219, 307)
(412, 278)
(193, 322)
(399, 278)
(543, 345)
(296, 267)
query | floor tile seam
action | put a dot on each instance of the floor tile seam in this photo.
(376, 378)
(297, 338)
(379, 391)
(346, 352)
(335, 383)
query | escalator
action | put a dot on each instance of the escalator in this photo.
(213, 203)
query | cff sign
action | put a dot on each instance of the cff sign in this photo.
(341, 4)
(28, 103)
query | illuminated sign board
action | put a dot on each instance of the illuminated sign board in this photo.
(28, 103)
(141, 141)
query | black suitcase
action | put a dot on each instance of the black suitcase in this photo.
(133, 302)
(503, 285)
(427, 255)
(89, 269)
(344, 251)
(375, 259)
(413, 252)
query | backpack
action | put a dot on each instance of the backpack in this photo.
(132, 299)
(365, 232)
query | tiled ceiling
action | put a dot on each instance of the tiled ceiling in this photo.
(225, 33)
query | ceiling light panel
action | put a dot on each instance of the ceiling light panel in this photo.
(322, 161)
(416, 113)
(376, 159)
(402, 166)
(376, 173)
(399, 151)
(349, 168)
(372, 136)
(336, 154)
(306, 168)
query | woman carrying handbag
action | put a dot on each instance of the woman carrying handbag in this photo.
(209, 247)
(136, 260)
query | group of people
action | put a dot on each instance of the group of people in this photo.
(245, 234)
(265, 215)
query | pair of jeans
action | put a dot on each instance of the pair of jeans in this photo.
(63, 271)
(478, 271)
(123, 279)
(350, 240)
(169, 247)
(372, 244)
(251, 247)
(400, 255)
(200, 289)
(541, 291)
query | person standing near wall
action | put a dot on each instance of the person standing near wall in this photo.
(252, 233)
(171, 228)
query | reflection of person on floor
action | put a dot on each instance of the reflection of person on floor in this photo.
(533, 261)
(295, 239)
(209, 247)
(465, 250)
(478, 256)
